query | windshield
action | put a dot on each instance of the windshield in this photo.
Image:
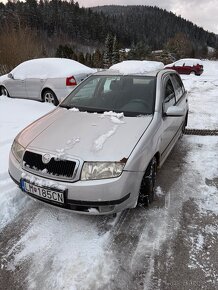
(132, 95)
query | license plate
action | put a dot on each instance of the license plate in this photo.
(45, 193)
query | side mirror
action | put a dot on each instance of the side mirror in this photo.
(174, 111)
(10, 76)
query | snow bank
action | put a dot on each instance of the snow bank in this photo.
(203, 94)
(137, 66)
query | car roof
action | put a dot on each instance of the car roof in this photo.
(110, 72)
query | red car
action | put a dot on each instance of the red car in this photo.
(187, 66)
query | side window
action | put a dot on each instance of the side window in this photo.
(169, 95)
(178, 85)
(88, 90)
(107, 84)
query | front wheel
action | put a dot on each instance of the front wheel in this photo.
(49, 96)
(185, 124)
(146, 193)
(4, 92)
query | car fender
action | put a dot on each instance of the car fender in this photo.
(146, 148)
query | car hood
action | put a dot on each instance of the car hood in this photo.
(87, 136)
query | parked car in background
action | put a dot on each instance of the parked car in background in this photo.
(44, 79)
(187, 66)
(98, 151)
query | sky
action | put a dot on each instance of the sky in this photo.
(204, 13)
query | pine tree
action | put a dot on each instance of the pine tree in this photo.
(65, 52)
(115, 53)
(97, 59)
(107, 59)
(88, 60)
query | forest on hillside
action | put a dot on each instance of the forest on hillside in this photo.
(34, 28)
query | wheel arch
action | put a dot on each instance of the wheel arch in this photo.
(46, 89)
(2, 86)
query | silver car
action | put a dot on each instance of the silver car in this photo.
(44, 79)
(99, 150)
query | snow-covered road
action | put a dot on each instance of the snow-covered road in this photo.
(173, 245)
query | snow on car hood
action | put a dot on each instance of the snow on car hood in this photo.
(89, 136)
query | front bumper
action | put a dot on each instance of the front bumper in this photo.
(98, 197)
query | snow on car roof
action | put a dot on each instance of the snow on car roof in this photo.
(188, 61)
(50, 67)
(137, 66)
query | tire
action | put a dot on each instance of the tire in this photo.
(49, 96)
(146, 192)
(185, 124)
(4, 92)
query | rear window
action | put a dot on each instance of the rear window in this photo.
(132, 95)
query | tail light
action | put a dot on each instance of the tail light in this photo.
(71, 81)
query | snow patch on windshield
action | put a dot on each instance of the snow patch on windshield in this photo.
(115, 117)
(114, 114)
(137, 66)
(74, 109)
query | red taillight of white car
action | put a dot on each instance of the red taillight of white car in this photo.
(71, 81)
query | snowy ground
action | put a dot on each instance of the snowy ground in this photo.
(173, 245)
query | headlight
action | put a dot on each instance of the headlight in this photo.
(101, 170)
(17, 150)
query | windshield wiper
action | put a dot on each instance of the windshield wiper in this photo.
(65, 106)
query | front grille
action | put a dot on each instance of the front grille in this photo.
(56, 167)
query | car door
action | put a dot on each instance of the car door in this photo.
(34, 86)
(35, 80)
(170, 124)
(181, 95)
(16, 86)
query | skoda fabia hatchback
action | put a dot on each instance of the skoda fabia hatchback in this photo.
(98, 151)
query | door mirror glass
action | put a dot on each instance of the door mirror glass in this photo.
(174, 111)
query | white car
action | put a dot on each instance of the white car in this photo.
(44, 79)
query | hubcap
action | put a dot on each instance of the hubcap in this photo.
(49, 98)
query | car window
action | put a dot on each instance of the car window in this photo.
(87, 91)
(132, 95)
(178, 85)
(169, 95)
(107, 84)
(179, 63)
